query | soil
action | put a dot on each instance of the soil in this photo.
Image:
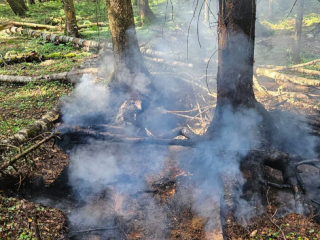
(20, 219)
(291, 226)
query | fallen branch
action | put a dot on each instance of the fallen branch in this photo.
(33, 57)
(270, 73)
(100, 24)
(33, 130)
(35, 26)
(87, 44)
(83, 136)
(91, 230)
(71, 76)
(307, 71)
(24, 153)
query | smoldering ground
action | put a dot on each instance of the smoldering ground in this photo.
(111, 178)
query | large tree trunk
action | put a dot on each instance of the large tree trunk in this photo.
(297, 35)
(236, 51)
(18, 7)
(146, 15)
(128, 59)
(71, 27)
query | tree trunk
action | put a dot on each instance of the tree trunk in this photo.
(128, 59)
(18, 7)
(297, 36)
(236, 29)
(31, 2)
(271, 3)
(71, 28)
(146, 15)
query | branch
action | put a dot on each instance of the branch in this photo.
(24, 153)
(62, 77)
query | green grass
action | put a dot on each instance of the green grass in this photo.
(11, 45)
(22, 105)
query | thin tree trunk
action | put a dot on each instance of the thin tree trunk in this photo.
(71, 27)
(271, 5)
(31, 2)
(128, 59)
(297, 36)
(146, 15)
(18, 7)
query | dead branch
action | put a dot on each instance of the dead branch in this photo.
(307, 71)
(82, 136)
(283, 235)
(71, 76)
(285, 78)
(32, 57)
(36, 26)
(27, 151)
(87, 44)
(71, 234)
(39, 126)
(100, 24)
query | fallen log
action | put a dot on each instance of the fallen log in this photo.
(99, 24)
(270, 73)
(307, 71)
(87, 44)
(18, 58)
(32, 57)
(42, 125)
(35, 26)
(27, 151)
(71, 76)
(84, 136)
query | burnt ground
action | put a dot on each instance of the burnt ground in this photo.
(163, 199)
(20, 218)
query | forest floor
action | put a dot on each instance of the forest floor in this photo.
(21, 105)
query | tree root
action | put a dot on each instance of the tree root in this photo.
(287, 164)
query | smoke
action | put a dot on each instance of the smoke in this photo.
(114, 181)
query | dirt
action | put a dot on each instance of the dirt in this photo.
(20, 219)
(43, 165)
(291, 226)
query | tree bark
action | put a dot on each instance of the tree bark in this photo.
(297, 35)
(18, 7)
(71, 27)
(128, 59)
(146, 15)
(236, 29)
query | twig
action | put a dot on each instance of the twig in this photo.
(91, 230)
(24, 153)
(283, 235)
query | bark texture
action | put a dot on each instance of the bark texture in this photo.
(18, 7)
(128, 59)
(236, 51)
(298, 30)
(71, 27)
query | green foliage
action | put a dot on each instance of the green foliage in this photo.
(22, 105)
